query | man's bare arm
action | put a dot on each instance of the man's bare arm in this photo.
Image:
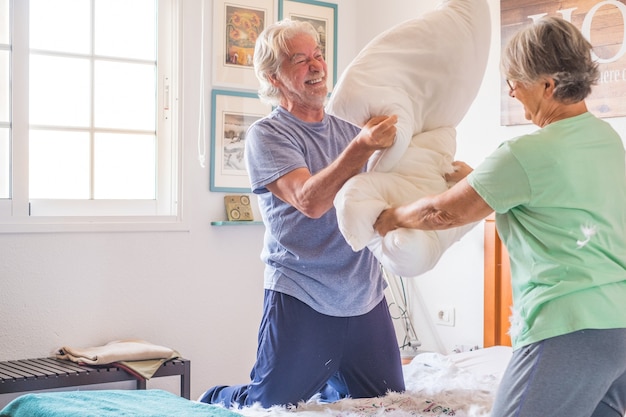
(313, 195)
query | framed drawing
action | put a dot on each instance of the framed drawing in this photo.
(323, 16)
(232, 113)
(236, 26)
(601, 22)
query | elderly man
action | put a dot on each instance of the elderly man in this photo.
(326, 326)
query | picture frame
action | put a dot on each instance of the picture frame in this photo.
(236, 25)
(323, 16)
(232, 113)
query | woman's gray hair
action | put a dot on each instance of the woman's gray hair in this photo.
(269, 51)
(555, 48)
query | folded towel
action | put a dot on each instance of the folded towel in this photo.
(119, 350)
(139, 357)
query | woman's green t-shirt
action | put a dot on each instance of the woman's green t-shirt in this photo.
(560, 200)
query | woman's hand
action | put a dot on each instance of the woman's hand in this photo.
(386, 222)
(458, 206)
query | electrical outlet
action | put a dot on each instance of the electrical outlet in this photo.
(445, 316)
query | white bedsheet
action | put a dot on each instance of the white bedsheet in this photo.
(461, 385)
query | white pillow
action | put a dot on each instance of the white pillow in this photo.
(419, 172)
(428, 71)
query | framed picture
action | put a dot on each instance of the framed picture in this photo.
(323, 16)
(601, 22)
(233, 112)
(236, 26)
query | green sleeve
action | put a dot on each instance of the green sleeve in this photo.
(501, 180)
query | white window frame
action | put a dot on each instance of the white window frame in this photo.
(19, 214)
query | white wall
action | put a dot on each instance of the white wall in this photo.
(200, 291)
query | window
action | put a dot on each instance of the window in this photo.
(88, 129)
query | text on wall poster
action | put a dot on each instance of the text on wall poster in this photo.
(602, 23)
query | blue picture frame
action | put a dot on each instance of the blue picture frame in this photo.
(232, 112)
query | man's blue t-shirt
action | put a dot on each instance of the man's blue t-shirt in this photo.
(308, 258)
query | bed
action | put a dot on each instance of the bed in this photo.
(461, 384)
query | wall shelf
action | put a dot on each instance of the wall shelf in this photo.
(237, 223)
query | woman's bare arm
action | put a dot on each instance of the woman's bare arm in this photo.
(457, 206)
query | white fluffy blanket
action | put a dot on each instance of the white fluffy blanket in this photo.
(426, 70)
(435, 386)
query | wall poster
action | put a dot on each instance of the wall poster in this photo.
(233, 113)
(236, 25)
(602, 23)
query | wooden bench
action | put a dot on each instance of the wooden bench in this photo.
(46, 373)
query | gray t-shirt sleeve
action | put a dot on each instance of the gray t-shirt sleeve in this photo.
(269, 156)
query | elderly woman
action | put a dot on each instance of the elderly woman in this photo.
(560, 200)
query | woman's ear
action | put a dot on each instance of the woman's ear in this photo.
(549, 86)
